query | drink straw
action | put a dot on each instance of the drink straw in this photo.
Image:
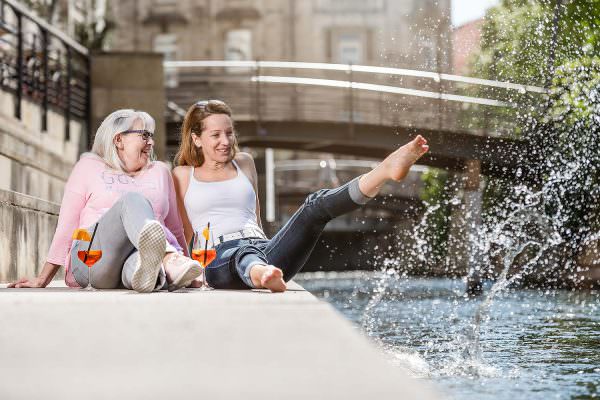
(90, 246)
(191, 244)
(206, 243)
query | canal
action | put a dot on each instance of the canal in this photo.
(532, 344)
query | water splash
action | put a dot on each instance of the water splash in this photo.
(537, 228)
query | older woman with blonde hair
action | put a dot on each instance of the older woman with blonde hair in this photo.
(216, 183)
(130, 199)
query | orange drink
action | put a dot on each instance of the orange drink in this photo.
(199, 254)
(89, 258)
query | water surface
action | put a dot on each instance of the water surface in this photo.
(532, 344)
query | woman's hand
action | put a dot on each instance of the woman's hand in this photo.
(28, 283)
(41, 281)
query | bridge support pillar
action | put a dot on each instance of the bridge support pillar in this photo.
(457, 256)
(463, 256)
(264, 161)
(473, 196)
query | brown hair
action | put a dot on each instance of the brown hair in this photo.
(193, 123)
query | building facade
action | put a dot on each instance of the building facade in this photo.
(400, 33)
(411, 34)
(466, 40)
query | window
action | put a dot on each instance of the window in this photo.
(166, 43)
(350, 49)
(350, 6)
(428, 55)
(238, 47)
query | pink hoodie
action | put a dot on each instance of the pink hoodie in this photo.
(92, 189)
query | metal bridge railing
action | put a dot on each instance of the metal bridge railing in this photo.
(435, 76)
(352, 94)
(43, 65)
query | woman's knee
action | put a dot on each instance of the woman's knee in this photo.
(247, 255)
(134, 199)
(313, 204)
(314, 197)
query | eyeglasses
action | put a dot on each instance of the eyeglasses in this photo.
(144, 134)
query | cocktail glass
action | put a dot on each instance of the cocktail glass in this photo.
(85, 253)
(203, 251)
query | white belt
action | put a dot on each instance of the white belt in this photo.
(245, 233)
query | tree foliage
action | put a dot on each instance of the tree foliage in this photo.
(567, 136)
(93, 33)
(436, 194)
(48, 10)
(519, 42)
(555, 44)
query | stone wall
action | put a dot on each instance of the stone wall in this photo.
(32, 161)
(27, 224)
(34, 167)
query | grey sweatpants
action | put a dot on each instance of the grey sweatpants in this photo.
(117, 236)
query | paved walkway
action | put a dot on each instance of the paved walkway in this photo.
(59, 343)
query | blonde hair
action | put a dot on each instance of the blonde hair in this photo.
(115, 123)
(193, 124)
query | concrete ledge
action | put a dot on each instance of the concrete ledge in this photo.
(28, 225)
(189, 344)
(10, 198)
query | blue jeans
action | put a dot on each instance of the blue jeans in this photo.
(291, 247)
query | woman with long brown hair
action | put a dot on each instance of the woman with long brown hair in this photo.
(217, 183)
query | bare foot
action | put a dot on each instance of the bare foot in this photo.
(268, 277)
(399, 162)
(395, 166)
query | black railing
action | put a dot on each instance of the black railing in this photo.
(43, 65)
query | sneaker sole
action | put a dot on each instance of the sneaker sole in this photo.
(185, 278)
(152, 246)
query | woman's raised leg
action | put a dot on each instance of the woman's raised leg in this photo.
(290, 248)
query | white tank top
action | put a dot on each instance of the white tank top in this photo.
(229, 205)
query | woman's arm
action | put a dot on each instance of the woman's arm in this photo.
(173, 219)
(73, 202)
(181, 180)
(246, 163)
(42, 280)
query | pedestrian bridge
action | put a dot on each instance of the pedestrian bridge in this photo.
(357, 110)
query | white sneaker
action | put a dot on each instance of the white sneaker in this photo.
(181, 271)
(152, 244)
